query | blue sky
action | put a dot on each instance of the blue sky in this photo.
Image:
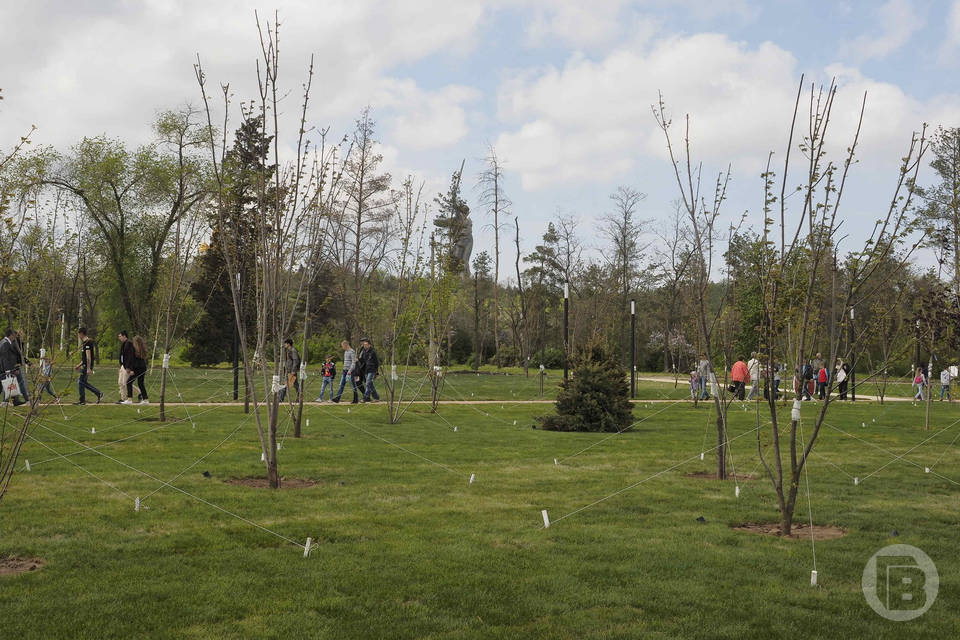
(562, 89)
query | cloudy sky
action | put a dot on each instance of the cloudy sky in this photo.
(561, 88)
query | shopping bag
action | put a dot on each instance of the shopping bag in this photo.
(11, 387)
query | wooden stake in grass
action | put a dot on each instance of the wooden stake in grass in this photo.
(306, 547)
(136, 504)
(472, 477)
(546, 519)
(28, 464)
(813, 578)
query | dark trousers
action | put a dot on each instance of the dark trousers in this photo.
(842, 390)
(738, 389)
(138, 375)
(83, 385)
(296, 386)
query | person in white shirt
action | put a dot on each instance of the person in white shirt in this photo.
(945, 380)
(753, 366)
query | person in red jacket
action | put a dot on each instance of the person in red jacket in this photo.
(740, 376)
(822, 382)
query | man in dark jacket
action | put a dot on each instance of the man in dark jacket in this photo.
(368, 366)
(127, 356)
(291, 368)
(11, 360)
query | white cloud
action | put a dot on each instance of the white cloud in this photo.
(950, 50)
(590, 120)
(896, 22)
(426, 119)
(580, 24)
(85, 69)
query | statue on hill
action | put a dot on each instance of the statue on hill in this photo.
(456, 227)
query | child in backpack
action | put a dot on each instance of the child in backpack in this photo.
(329, 372)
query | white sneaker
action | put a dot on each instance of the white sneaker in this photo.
(143, 402)
(127, 401)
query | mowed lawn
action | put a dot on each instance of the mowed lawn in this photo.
(407, 547)
(216, 385)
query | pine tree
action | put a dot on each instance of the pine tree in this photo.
(595, 398)
(211, 338)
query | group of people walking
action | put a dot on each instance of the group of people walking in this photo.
(359, 369)
(811, 378)
(921, 382)
(132, 361)
(133, 368)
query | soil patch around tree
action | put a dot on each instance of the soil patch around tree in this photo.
(14, 566)
(263, 483)
(798, 531)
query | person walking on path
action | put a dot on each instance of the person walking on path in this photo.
(46, 377)
(11, 360)
(703, 370)
(138, 369)
(945, 380)
(806, 380)
(126, 368)
(740, 376)
(347, 373)
(753, 366)
(291, 367)
(842, 377)
(918, 381)
(369, 366)
(328, 371)
(86, 367)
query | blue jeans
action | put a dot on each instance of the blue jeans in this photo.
(23, 386)
(327, 382)
(703, 389)
(945, 389)
(343, 383)
(369, 389)
(84, 385)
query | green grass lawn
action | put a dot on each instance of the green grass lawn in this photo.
(216, 385)
(408, 548)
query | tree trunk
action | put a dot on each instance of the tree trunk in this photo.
(303, 356)
(163, 394)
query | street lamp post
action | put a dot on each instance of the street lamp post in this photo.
(633, 349)
(566, 330)
(853, 362)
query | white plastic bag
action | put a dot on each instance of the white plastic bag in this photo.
(11, 387)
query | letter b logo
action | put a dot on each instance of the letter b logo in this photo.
(900, 582)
